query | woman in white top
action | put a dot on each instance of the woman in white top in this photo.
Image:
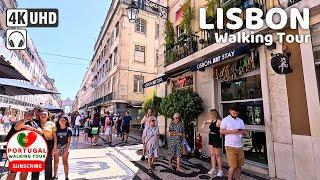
(6, 122)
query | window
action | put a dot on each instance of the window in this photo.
(109, 87)
(115, 56)
(157, 30)
(110, 63)
(117, 29)
(157, 58)
(138, 84)
(141, 25)
(139, 53)
(315, 35)
(114, 82)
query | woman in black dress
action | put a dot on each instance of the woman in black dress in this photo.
(215, 142)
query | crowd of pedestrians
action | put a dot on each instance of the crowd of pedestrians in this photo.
(57, 134)
(231, 127)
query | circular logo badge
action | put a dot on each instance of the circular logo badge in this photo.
(27, 152)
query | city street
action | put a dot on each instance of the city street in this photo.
(122, 161)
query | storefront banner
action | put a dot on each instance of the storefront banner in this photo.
(156, 81)
(221, 57)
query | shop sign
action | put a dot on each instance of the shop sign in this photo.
(235, 69)
(155, 81)
(221, 57)
(280, 63)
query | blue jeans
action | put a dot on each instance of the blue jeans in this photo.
(76, 130)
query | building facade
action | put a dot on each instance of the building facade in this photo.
(28, 63)
(280, 111)
(125, 56)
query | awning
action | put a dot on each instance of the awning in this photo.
(12, 87)
(8, 71)
(223, 56)
(156, 81)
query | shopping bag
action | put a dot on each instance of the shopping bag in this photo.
(94, 130)
(186, 145)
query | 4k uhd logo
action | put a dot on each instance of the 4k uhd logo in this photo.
(32, 17)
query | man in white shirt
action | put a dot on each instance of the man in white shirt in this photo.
(77, 124)
(233, 129)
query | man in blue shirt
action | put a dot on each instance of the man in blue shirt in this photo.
(126, 121)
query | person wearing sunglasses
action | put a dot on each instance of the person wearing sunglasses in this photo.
(176, 134)
(49, 131)
(150, 139)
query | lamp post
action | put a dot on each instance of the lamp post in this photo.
(145, 5)
(133, 12)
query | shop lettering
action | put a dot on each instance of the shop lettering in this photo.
(228, 55)
(254, 21)
(232, 71)
(26, 150)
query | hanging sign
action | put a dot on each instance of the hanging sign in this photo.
(280, 64)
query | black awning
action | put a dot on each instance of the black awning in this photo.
(222, 56)
(156, 81)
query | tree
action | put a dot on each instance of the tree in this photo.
(188, 104)
(185, 102)
(152, 103)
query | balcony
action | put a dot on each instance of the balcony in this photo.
(185, 46)
(104, 99)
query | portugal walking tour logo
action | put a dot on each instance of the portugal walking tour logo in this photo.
(27, 152)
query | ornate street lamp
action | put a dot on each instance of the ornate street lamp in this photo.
(133, 12)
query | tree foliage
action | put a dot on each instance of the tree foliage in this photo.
(152, 103)
(169, 34)
(188, 15)
(185, 102)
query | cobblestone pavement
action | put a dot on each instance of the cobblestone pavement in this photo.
(122, 161)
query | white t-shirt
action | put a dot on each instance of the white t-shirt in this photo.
(77, 122)
(6, 119)
(229, 123)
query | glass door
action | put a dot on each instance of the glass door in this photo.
(246, 93)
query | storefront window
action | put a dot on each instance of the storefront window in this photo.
(246, 92)
(244, 88)
(315, 34)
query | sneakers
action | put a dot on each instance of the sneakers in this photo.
(55, 178)
(212, 171)
(220, 173)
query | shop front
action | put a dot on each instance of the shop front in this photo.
(239, 82)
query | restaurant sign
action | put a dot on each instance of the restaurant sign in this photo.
(156, 81)
(221, 57)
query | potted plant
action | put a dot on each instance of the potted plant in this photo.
(169, 35)
(188, 15)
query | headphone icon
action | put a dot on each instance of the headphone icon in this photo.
(16, 39)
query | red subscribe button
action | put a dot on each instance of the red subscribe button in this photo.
(26, 166)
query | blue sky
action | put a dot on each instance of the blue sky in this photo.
(79, 26)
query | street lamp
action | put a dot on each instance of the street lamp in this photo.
(133, 12)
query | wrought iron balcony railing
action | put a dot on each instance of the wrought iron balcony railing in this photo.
(186, 46)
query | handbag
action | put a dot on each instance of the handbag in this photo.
(94, 130)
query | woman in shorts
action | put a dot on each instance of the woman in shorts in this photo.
(95, 128)
(214, 142)
(64, 134)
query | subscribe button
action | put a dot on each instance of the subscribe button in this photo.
(26, 166)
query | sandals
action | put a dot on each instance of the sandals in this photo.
(150, 171)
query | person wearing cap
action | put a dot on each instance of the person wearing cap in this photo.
(233, 129)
